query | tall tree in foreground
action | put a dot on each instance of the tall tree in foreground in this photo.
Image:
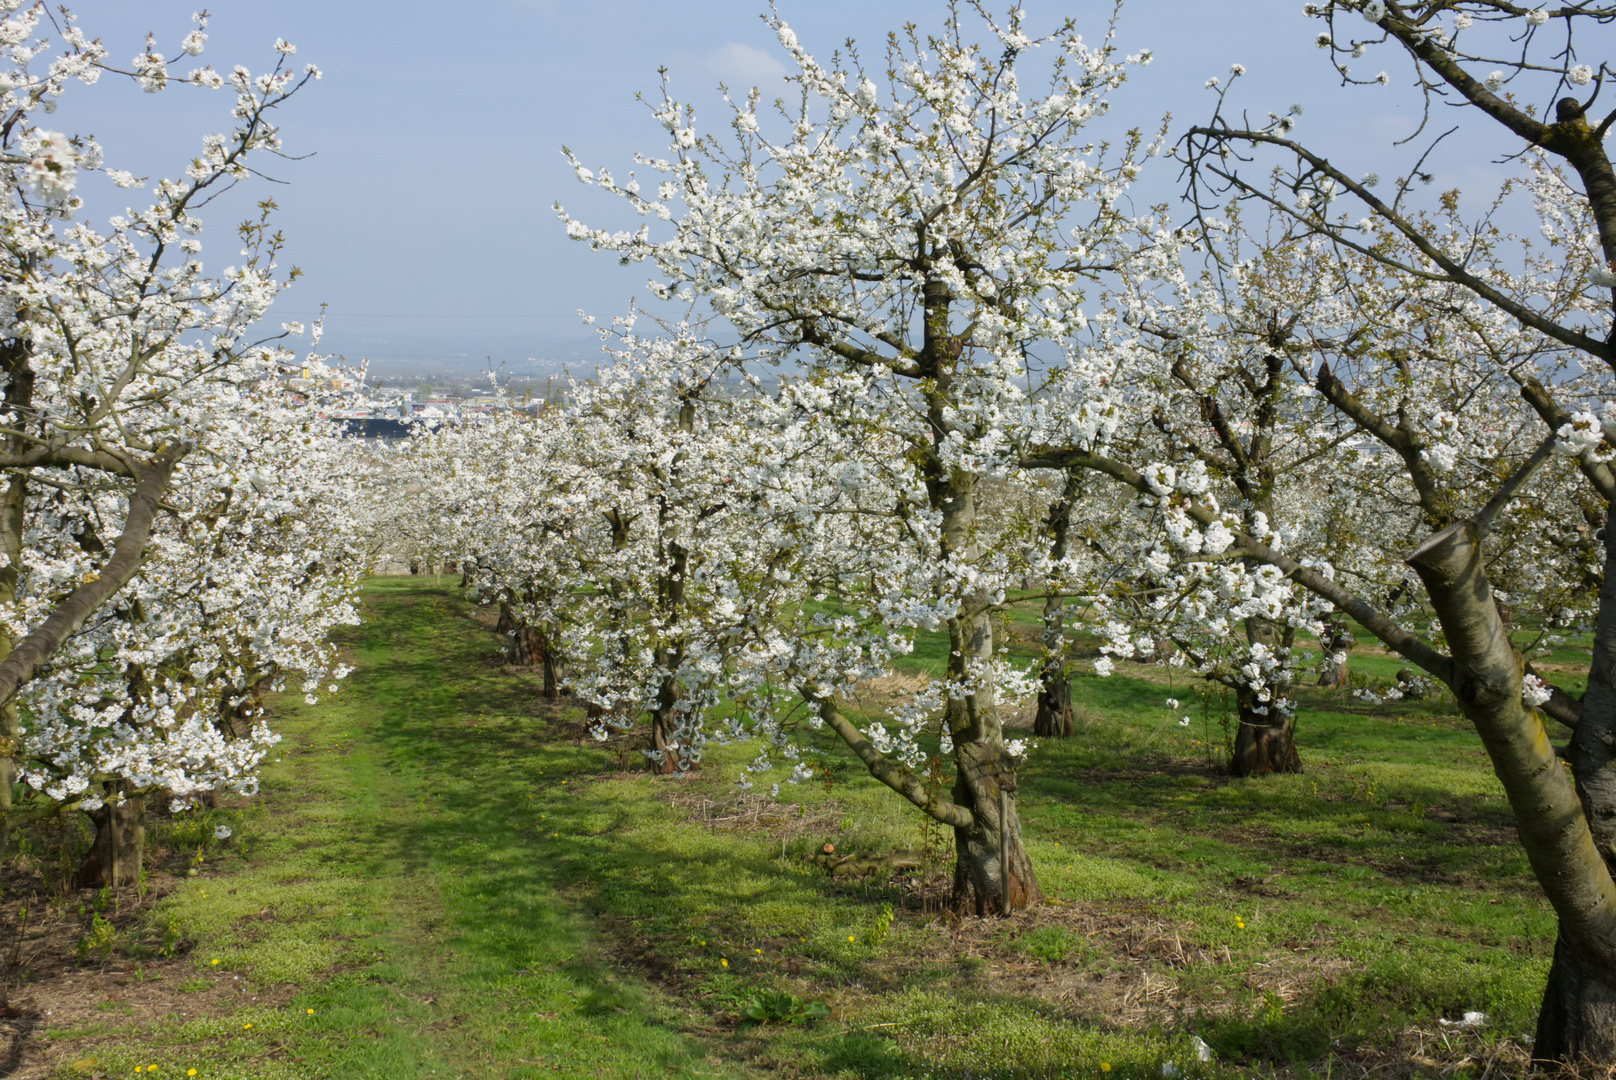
(907, 238)
(154, 570)
(1508, 358)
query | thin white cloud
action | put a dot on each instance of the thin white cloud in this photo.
(743, 65)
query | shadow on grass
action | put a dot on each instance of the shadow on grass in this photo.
(535, 835)
(486, 799)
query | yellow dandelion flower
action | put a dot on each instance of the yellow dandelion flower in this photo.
(1105, 1066)
(758, 951)
(245, 1027)
(215, 962)
(849, 937)
(311, 1012)
(724, 962)
(190, 1072)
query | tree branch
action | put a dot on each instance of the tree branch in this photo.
(902, 781)
(33, 651)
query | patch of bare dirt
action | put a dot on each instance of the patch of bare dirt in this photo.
(1126, 966)
(94, 1003)
(86, 965)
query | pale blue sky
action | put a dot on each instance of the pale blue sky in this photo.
(436, 130)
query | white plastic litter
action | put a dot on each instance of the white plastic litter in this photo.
(1471, 1020)
(1203, 1052)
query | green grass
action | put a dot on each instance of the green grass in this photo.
(399, 879)
(461, 884)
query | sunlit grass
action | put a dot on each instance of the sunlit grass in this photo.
(460, 885)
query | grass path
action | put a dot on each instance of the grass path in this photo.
(398, 889)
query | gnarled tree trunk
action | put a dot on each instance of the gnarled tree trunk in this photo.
(1567, 828)
(670, 748)
(120, 842)
(1577, 1021)
(532, 646)
(992, 872)
(1266, 742)
(1054, 718)
(1337, 642)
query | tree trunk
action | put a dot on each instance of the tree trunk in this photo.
(19, 392)
(1265, 743)
(1054, 718)
(1577, 1022)
(992, 873)
(1563, 826)
(669, 744)
(524, 649)
(552, 668)
(1338, 641)
(120, 843)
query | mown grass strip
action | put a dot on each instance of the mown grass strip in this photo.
(399, 881)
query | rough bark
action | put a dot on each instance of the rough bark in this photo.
(532, 646)
(1577, 1021)
(551, 665)
(1054, 718)
(1339, 641)
(992, 872)
(120, 843)
(525, 646)
(665, 738)
(19, 394)
(1265, 742)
